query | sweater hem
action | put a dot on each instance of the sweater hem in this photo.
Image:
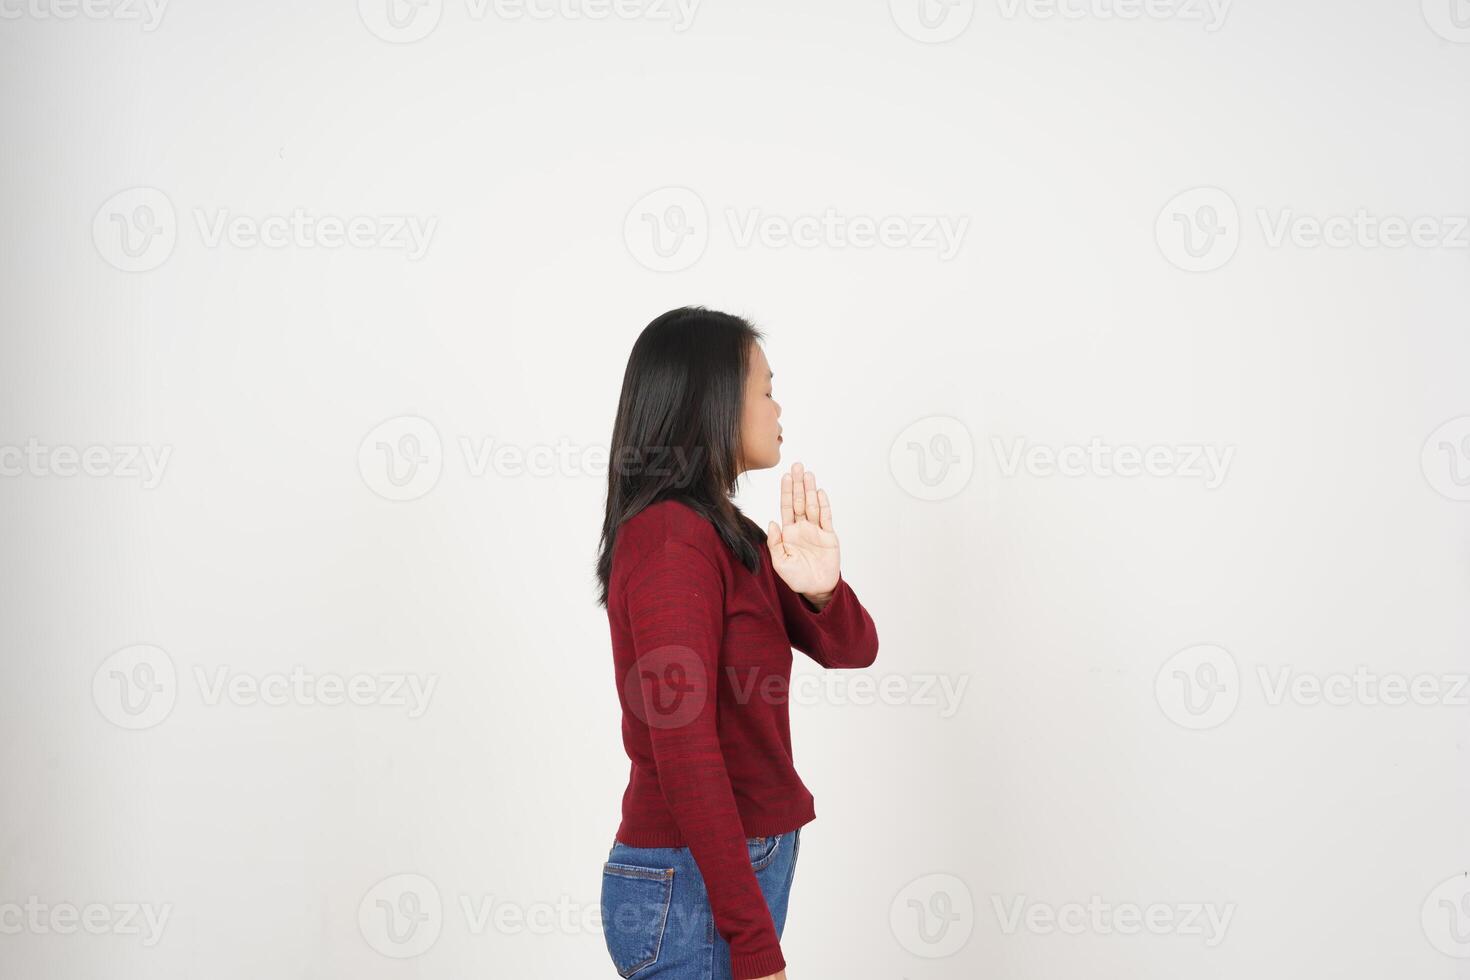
(655, 837)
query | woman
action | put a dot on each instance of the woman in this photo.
(704, 609)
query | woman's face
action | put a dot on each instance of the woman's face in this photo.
(760, 430)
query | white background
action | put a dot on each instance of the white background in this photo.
(1336, 541)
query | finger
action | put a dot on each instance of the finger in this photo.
(798, 492)
(786, 516)
(826, 511)
(809, 494)
(773, 539)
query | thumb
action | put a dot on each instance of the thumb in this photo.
(773, 538)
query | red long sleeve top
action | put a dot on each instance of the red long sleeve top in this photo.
(702, 656)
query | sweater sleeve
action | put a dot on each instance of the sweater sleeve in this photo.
(675, 600)
(841, 636)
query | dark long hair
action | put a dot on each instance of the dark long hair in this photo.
(677, 431)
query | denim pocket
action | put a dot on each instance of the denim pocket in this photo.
(762, 850)
(635, 912)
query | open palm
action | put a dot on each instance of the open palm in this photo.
(804, 550)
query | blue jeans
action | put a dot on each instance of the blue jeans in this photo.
(655, 911)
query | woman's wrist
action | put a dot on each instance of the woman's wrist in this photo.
(819, 600)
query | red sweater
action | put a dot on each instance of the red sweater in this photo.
(705, 718)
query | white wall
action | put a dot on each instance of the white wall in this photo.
(1071, 762)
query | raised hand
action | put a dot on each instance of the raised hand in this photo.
(804, 549)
